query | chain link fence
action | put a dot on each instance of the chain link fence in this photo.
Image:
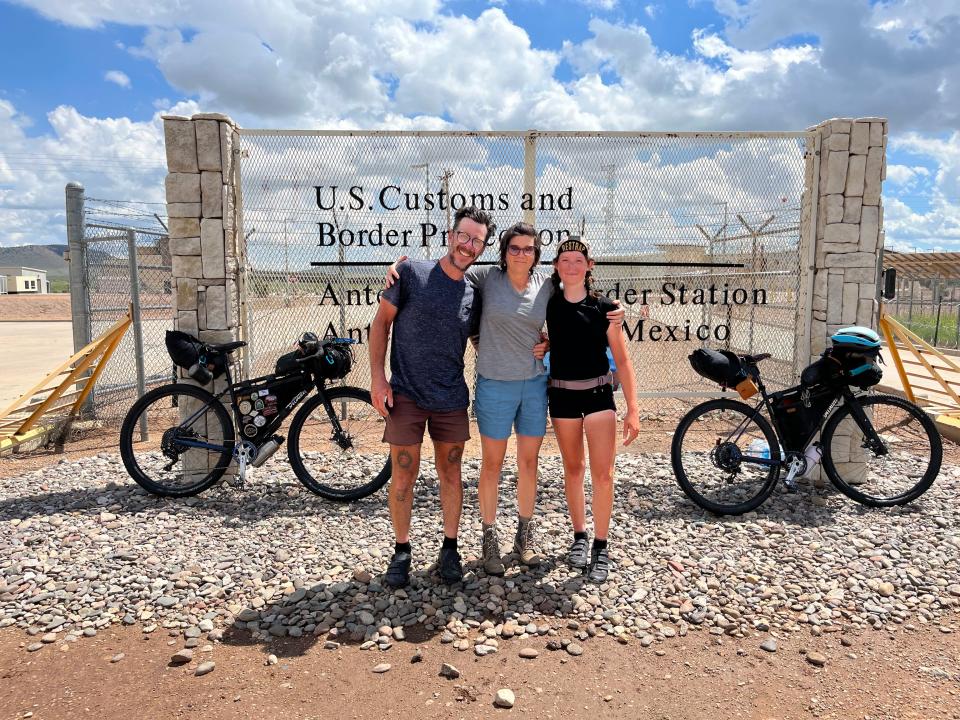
(697, 234)
(126, 268)
(930, 307)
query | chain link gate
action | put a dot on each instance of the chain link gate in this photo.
(124, 268)
(697, 234)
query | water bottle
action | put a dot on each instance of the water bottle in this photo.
(759, 448)
(812, 458)
(266, 450)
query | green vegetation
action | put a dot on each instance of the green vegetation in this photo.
(59, 286)
(926, 326)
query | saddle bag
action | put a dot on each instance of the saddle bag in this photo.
(720, 366)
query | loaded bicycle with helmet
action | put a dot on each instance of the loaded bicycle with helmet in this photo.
(180, 439)
(877, 449)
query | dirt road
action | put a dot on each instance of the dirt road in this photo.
(907, 674)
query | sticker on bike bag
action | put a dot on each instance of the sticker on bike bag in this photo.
(264, 392)
(271, 399)
(245, 407)
(270, 410)
(250, 430)
(259, 421)
(258, 405)
(254, 396)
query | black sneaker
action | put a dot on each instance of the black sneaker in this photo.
(398, 573)
(451, 571)
(577, 554)
(599, 566)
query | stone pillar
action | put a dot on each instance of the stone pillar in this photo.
(203, 247)
(200, 188)
(849, 226)
(849, 240)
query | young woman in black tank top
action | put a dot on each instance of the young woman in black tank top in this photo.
(581, 399)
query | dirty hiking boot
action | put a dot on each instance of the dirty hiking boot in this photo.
(449, 566)
(492, 563)
(525, 544)
(599, 565)
(577, 556)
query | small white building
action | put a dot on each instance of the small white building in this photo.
(25, 280)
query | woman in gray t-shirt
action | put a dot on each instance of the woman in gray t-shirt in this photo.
(511, 388)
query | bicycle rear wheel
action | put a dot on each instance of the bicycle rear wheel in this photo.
(711, 456)
(178, 417)
(343, 467)
(914, 452)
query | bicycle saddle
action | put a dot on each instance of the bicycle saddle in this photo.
(226, 347)
(754, 359)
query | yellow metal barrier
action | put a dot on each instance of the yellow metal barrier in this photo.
(24, 419)
(935, 387)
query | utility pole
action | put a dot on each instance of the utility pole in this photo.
(610, 172)
(286, 263)
(445, 180)
(426, 177)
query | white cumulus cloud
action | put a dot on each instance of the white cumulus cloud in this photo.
(422, 64)
(117, 78)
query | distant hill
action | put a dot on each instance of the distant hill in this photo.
(41, 257)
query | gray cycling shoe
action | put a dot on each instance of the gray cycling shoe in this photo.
(577, 556)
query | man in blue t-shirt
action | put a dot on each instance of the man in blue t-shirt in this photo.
(432, 311)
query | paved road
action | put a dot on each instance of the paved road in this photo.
(28, 351)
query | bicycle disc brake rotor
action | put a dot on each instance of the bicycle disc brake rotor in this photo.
(343, 439)
(726, 456)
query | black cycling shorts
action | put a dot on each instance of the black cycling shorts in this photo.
(578, 404)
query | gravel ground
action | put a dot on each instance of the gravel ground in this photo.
(82, 547)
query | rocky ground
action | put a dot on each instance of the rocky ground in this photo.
(811, 576)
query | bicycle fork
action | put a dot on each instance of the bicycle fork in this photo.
(871, 439)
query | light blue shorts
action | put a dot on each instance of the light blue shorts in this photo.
(501, 405)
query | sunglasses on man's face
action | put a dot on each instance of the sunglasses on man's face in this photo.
(517, 250)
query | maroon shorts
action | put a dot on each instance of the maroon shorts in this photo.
(407, 422)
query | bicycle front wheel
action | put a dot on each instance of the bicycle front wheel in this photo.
(714, 455)
(903, 471)
(176, 440)
(341, 457)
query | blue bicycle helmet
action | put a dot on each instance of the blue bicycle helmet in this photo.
(856, 337)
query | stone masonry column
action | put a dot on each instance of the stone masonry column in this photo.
(849, 226)
(201, 193)
(200, 186)
(849, 240)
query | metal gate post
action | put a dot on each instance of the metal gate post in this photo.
(137, 326)
(79, 286)
(808, 262)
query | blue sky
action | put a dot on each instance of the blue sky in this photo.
(82, 84)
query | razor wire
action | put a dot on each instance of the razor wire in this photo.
(697, 234)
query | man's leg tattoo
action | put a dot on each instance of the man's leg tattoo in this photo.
(404, 459)
(453, 457)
